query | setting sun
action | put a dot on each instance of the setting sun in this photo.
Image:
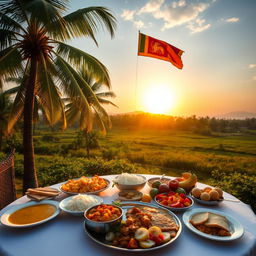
(158, 99)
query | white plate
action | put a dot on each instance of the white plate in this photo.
(64, 202)
(206, 202)
(5, 217)
(237, 230)
(86, 193)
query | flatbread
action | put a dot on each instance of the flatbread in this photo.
(199, 218)
(217, 221)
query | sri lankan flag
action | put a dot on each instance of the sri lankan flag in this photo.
(151, 47)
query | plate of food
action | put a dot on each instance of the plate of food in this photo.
(214, 225)
(207, 195)
(130, 195)
(85, 185)
(174, 201)
(129, 181)
(77, 204)
(141, 227)
(30, 214)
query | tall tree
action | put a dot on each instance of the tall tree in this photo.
(33, 38)
(75, 112)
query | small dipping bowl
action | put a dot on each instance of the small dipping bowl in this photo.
(102, 226)
(131, 187)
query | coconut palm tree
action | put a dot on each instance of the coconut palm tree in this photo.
(33, 38)
(75, 112)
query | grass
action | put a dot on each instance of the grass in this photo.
(163, 151)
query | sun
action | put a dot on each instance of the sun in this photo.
(158, 99)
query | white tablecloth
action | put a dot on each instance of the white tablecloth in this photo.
(65, 236)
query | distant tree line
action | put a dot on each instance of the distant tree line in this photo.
(200, 125)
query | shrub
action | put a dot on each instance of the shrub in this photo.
(110, 153)
(60, 169)
(50, 138)
(237, 183)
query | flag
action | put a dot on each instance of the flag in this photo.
(152, 47)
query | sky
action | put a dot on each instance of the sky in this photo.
(218, 39)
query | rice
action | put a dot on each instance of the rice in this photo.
(129, 179)
(81, 202)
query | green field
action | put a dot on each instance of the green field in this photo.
(167, 151)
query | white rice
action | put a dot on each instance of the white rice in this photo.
(129, 179)
(81, 202)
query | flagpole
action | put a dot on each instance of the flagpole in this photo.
(136, 79)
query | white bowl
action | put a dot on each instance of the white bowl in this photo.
(64, 202)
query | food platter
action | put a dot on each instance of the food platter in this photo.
(236, 228)
(100, 238)
(88, 193)
(5, 217)
(206, 202)
(65, 201)
(174, 208)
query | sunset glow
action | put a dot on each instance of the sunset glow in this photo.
(158, 99)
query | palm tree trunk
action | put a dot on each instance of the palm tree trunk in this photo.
(29, 177)
(1, 138)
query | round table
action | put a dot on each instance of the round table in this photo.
(65, 236)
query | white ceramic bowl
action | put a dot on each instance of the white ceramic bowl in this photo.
(139, 186)
(64, 202)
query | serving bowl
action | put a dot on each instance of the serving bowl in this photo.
(85, 193)
(162, 180)
(102, 226)
(130, 187)
(65, 201)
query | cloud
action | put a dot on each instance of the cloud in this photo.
(198, 26)
(232, 20)
(252, 66)
(151, 7)
(176, 13)
(139, 24)
(128, 15)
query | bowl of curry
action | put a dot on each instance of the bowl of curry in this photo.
(30, 214)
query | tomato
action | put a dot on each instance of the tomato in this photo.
(133, 244)
(173, 184)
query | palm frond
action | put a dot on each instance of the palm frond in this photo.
(69, 83)
(106, 102)
(72, 114)
(86, 21)
(79, 59)
(8, 23)
(6, 38)
(48, 13)
(17, 108)
(100, 122)
(12, 90)
(109, 94)
(16, 9)
(10, 62)
(49, 96)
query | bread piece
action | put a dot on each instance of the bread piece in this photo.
(217, 221)
(42, 193)
(199, 218)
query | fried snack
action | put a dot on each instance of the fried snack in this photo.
(85, 184)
